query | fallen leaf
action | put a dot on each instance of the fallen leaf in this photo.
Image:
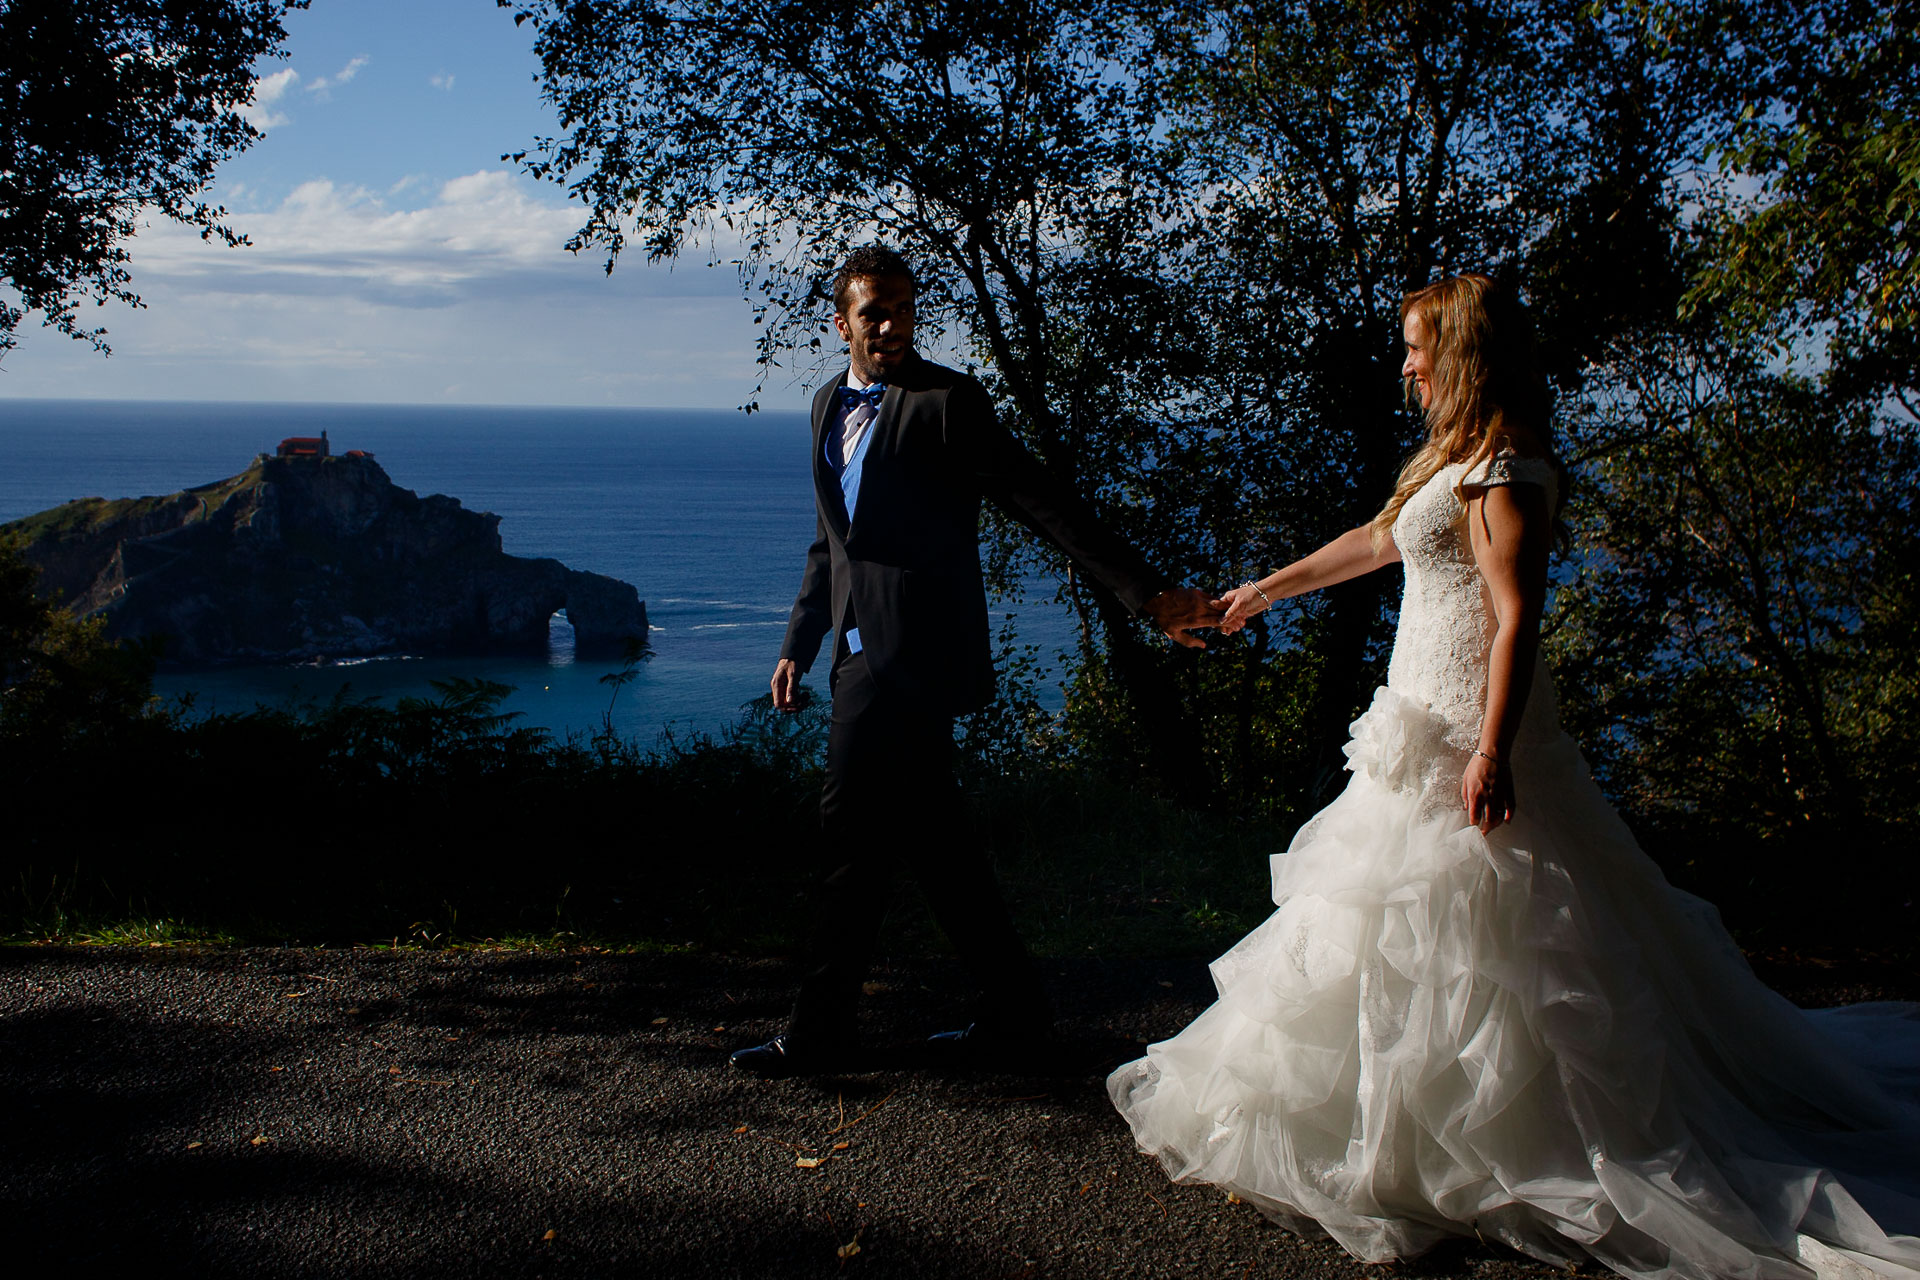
(549, 1235)
(261, 1141)
(810, 1162)
(393, 1071)
(659, 1022)
(841, 1146)
(1085, 1187)
(741, 1129)
(1234, 1199)
(719, 1028)
(850, 1248)
(193, 1145)
(291, 995)
(276, 1068)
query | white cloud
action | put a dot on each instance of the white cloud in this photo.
(263, 112)
(442, 81)
(349, 294)
(326, 238)
(260, 113)
(605, 344)
(323, 84)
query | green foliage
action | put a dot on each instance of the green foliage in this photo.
(1013, 736)
(1253, 705)
(60, 681)
(436, 822)
(637, 651)
(1825, 250)
(432, 818)
(1733, 641)
(112, 110)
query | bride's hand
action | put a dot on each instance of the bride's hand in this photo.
(1238, 605)
(1487, 793)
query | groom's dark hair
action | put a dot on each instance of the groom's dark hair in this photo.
(871, 262)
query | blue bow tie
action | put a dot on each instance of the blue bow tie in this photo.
(868, 395)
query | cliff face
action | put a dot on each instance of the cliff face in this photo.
(312, 557)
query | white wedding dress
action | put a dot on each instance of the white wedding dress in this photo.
(1527, 1036)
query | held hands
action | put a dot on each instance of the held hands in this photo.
(786, 685)
(1487, 793)
(1239, 604)
(1178, 611)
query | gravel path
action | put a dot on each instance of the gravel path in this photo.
(289, 1113)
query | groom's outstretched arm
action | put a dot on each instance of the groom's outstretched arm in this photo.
(809, 621)
(1023, 486)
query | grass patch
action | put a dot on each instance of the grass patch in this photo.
(121, 931)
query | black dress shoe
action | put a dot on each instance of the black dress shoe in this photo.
(784, 1056)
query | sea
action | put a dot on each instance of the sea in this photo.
(707, 513)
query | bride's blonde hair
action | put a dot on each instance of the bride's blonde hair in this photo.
(1487, 391)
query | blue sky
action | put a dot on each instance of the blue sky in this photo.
(396, 258)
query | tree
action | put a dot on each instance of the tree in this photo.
(1733, 635)
(1826, 236)
(1728, 634)
(112, 111)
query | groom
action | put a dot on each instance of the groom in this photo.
(903, 451)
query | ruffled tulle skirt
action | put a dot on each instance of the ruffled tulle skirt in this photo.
(1532, 1037)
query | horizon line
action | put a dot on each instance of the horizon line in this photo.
(391, 404)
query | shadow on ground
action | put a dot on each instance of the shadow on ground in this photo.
(379, 1114)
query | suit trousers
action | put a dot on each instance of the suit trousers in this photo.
(891, 806)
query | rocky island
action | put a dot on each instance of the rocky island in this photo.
(304, 556)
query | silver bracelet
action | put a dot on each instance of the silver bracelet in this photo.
(1484, 756)
(1263, 594)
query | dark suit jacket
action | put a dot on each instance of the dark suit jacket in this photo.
(906, 570)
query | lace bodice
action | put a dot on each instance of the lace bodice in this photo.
(1446, 614)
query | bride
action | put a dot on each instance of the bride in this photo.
(1478, 1008)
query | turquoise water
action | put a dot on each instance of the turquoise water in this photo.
(707, 512)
